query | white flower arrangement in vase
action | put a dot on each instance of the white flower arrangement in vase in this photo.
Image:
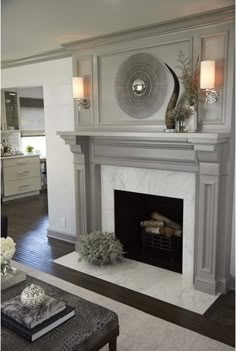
(8, 248)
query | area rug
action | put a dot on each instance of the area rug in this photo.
(161, 284)
(138, 331)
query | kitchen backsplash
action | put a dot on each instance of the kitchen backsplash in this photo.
(13, 139)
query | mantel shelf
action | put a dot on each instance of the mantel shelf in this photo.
(202, 138)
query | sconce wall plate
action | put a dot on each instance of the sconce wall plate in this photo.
(211, 96)
(84, 103)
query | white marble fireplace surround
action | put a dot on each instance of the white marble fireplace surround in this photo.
(193, 166)
(154, 182)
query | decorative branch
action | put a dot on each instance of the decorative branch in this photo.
(190, 78)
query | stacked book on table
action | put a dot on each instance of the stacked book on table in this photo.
(32, 323)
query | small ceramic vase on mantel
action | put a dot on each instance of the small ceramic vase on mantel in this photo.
(192, 120)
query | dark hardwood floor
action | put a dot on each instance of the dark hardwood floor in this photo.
(28, 223)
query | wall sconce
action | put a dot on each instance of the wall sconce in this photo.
(207, 81)
(78, 92)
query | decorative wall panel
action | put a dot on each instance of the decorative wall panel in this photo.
(84, 68)
(214, 47)
(208, 37)
(110, 111)
(141, 85)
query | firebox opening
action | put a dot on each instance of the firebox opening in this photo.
(150, 228)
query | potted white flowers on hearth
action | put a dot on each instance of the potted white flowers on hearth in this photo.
(100, 248)
(8, 248)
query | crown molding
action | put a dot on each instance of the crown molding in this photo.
(223, 15)
(41, 57)
(209, 18)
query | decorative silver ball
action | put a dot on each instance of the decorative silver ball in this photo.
(32, 296)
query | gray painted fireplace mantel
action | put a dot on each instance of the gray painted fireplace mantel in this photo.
(204, 154)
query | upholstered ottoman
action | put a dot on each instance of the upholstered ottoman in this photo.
(91, 328)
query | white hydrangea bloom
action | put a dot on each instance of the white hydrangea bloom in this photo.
(8, 248)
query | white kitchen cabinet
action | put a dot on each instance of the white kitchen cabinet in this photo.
(21, 176)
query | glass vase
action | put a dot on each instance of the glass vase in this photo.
(6, 268)
(180, 126)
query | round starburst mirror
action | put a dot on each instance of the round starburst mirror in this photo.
(141, 85)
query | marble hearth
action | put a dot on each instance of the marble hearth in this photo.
(191, 166)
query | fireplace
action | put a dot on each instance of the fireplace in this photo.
(145, 239)
(188, 166)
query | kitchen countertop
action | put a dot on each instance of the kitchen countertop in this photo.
(42, 159)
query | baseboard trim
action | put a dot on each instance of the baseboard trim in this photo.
(205, 286)
(222, 285)
(19, 196)
(70, 238)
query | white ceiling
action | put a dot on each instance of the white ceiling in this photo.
(31, 27)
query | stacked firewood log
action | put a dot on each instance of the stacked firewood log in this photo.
(159, 224)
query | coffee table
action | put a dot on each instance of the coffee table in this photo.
(91, 328)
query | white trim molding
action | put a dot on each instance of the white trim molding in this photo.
(41, 57)
(223, 15)
(55, 234)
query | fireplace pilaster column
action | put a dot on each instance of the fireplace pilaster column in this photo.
(80, 149)
(95, 191)
(207, 217)
(87, 187)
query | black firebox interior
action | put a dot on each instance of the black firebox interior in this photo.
(132, 208)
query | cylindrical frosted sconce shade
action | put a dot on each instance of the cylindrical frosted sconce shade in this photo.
(78, 88)
(207, 77)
